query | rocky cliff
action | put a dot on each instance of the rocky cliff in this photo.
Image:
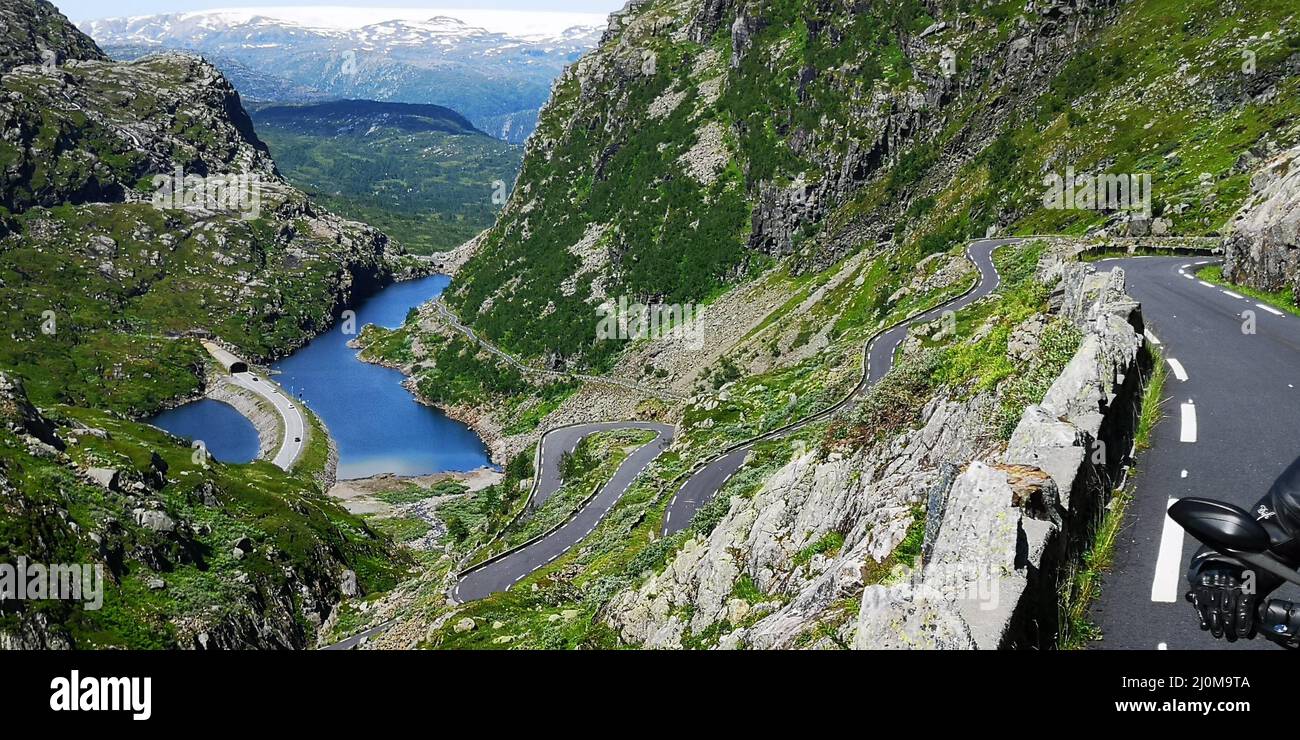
(139, 211)
(704, 138)
(37, 33)
(139, 191)
(1262, 246)
(809, 172)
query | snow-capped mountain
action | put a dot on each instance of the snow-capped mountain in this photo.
(494, 67)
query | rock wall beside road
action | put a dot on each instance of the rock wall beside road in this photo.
(1262, 247)
(1008, 533)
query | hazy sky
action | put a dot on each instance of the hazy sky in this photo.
(79, 10)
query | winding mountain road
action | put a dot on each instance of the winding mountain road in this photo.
(1229, 429)
(879, 353)
(501, 573)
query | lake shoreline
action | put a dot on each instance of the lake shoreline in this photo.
(375, 426)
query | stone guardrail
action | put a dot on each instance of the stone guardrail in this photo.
(1010, 532)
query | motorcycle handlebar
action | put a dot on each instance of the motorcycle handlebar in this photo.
(1280, 622)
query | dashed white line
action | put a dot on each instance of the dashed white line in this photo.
(1150, 337)
(1208, 285)
(1164, 587)
(1188, 431)
(1177, 367)
(1230, 294)
(1270, 309)
(1189, 277)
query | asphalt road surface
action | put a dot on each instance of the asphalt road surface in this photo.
(700, 488)
(295, 426)
(1228, 429)
(501, 574)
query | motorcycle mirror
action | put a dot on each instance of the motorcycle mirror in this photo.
(1220, 525)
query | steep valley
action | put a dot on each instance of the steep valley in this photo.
(812, 173)
(705, 335)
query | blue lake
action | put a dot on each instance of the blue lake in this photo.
(377, 424)
(228, 436)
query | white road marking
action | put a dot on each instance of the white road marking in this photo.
(1188, 432)
(1184, 267)
(1164, 587)
(1150, 337)
(1189, 277)
(1162, 646)
(1177, 367)
(1183, 474)
(1270, 309)
(295, 426)
(1230, 294)
(1208, 285)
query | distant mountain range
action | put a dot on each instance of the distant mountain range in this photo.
(497, 78)
(422, 173)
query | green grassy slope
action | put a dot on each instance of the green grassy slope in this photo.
(426, 178)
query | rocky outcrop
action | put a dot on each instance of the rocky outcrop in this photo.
(1262, 247)
(869, 499)
(35, 32)
(1014, 526)
(21, 417)
(809, 560)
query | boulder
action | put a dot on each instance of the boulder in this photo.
(1262, 245)
(156, 475)
(107, 478)
(898, 618)
(348, 584)
(157, 521)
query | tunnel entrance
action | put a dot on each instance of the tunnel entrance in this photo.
(238, 367)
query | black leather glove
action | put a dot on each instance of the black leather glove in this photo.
(1226, 609)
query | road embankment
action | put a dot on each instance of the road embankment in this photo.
(263, 417)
